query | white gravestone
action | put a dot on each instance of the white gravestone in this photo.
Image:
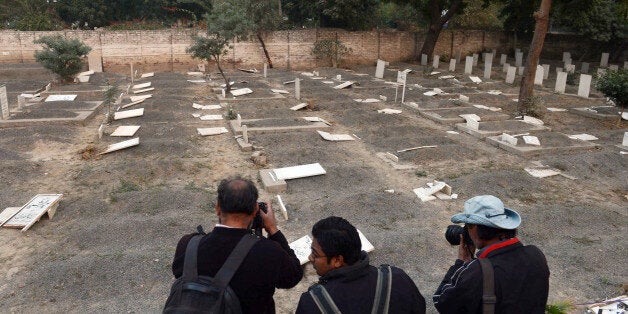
(297, 88)
(21, 101)
(488, 64)
(265, 69)
(604, 60)
(521, 70)
(601, 71)
(626, 65)
(245, 134)
(94, 61)
(566, 56)
(468, 65)
(509, 139)
(239, 120)
(4, 102)
(435, 61)
(570, 68)
(561, 82)
(546, 70)
(452, 65)
(558, 70)
(423, 59)
(476, 57)
(584, 86)
(625, 141)
(567, 62)
(379, 70)
(503, 59)
(613, 67)
(505, 68)
(518, 59)
(459, 56)
(538, 77)
(585, 68)
(510, 76)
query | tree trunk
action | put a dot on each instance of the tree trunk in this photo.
(222, 73)
(261, 40)
(437, 23)
(527, 82)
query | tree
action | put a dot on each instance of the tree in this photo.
(228, 20)
(346, 14)
(614, 85)
(330, 49)
(28, 15)
(266, 16)
(532, 60)
(62, 56)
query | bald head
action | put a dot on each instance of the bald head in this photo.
(237, 196)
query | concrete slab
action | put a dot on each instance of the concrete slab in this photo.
(237, 129)
(452, 115)
(271, 183)
(602, 113)
(493, 128)
(551, 143)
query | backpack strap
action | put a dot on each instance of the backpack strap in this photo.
(382, 290)
(488, 286)
(190, 272)
(231, 265)
(323, 300)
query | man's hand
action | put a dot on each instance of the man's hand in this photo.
(269, 223)
(465, 252)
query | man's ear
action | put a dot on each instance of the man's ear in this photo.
(337, 261)
(217, 209)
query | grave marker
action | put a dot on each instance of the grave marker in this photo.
(245, 134)
(503, 59)
(626, 65)
(510, 76)
(570, 68)
(601, 71)
(585, 68)
(584, 86)
(21, 101)
(476, 57)
(509, 139)
(488, 63)
(561, 82)
(4, 102)
(379, 70)
(613, 67)
(423, 59)
(546, 70)
(625, 141)
(452, 65)
(567, 62)
(538, 77)
(473, 124)
(265, 69)
(122, 145)
(521, 69)
(468, 65)
(239, 120)
(566, 56)
(458, 56)
(505, 68)
(435, 61)
(301, 171)
(94, 61)
(604, 60)
(36, 208)
(518, 58)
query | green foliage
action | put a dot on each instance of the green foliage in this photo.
(600, 20)
(62, 56)
(531, 107)
(558, 308)
(208, 48)
(479, 16)
(330, 49)
(229, 19)
(398, 16)
(28, 15)
(614, 85)
(347, 14)
(127, 186)
(109, 97)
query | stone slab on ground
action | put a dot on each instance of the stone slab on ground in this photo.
(452, 115)
(551, 143)
(271, 183)
(493, 128)
(271, 129)
(602, 113)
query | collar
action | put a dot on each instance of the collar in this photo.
(484, 252)
(219, 225)
(348, 272)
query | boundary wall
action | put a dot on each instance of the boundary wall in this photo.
(165, 49)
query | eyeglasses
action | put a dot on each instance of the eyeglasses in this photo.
(314, 255)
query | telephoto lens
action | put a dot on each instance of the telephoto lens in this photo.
(453, 232)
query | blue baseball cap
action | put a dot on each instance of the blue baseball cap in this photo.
(487, 210)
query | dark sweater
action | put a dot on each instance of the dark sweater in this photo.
(353, 290)
(270, 264)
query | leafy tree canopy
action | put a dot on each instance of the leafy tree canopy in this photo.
(62, 56)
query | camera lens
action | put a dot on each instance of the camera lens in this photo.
(452, 234)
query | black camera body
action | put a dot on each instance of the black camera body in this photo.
(453, 232)
(257, 224)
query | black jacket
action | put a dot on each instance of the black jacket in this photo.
(353, 289)
(521, 281)
(270, 264)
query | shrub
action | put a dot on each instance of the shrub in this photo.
(614, 85)
(330, 49)
(62, 56)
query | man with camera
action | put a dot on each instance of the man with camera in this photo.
(348, 284)
(269, 264)
(506, 276)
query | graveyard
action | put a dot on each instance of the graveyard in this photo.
(394, 147)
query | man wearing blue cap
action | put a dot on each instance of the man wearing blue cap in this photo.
(520, 274)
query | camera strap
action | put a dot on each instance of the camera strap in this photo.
(488, 286)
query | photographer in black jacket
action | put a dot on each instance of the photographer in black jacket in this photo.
(521, 275)
(347, 276)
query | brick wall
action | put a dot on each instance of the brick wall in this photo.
(165, 49)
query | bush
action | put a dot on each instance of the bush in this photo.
(62, 56)
(330, 49)
(614, 85)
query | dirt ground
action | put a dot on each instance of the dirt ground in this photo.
(110, 245)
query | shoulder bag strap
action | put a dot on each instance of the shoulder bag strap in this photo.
(488, 286)
(190, 271)
(323, 300)
(382, 290)
(231, 265)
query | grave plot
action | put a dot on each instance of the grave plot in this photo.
(437, 103)
(598, 112)
(550, 142)
(492, 128)
(452, 115)
(276, 125)
(53, 112)
(362, 118)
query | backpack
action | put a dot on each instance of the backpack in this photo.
(382, 294)
(192, 293)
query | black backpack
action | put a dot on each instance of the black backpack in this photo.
(192, 293)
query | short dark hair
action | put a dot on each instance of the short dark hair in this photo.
(337, 236)
(237, 196)
(489, 233)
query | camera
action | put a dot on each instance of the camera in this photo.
(453, 232)
(257, 224)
